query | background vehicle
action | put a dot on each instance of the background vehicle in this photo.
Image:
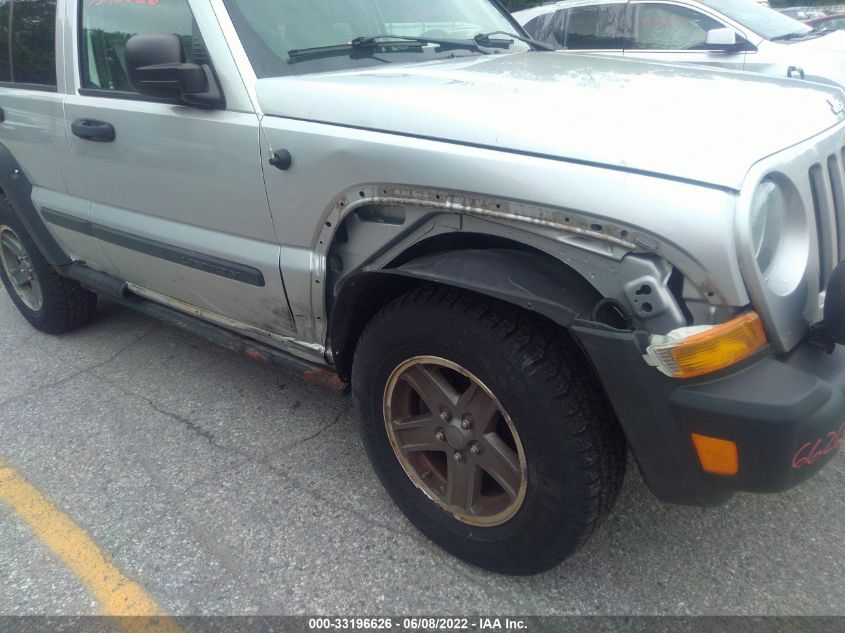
(803, 14)
(834, 22)
(733, 34)
(328, 186)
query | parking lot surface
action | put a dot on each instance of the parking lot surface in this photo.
(221, 486)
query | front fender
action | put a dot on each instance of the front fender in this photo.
(533, 281)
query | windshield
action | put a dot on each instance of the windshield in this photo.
(271, 29)
(763, 21)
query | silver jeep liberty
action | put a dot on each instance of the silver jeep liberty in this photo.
(524, 263)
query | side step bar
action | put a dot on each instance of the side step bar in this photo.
(118, 292)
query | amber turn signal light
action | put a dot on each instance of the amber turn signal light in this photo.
(717, 456)
(696, 351)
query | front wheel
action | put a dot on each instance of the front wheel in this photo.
(487, 428)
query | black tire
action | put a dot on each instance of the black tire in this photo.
(574, 448)
(65, 304)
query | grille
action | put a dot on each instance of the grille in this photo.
(827, 184)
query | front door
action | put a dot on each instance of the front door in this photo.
(594, 29)
(177, 196)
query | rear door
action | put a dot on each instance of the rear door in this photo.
(177, 198)
(675, 33)
(32, 124)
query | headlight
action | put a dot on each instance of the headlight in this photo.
(768, 210)
(779, 235)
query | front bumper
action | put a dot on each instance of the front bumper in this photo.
(785, 414)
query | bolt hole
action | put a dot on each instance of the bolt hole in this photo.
(624, 234)
(598, 228)
(711, 294)
(647, 307)
(566, 219)
(644, 290)
(437, 197)
(498, 206)
(329, 224)
(361, 193)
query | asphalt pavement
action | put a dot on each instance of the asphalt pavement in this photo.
(222, 486)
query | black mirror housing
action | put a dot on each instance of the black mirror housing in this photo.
(157, 68)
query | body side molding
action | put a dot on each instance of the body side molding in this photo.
(182, 256)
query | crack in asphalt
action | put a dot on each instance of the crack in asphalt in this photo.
(209, 437)
(287, 449)
(70, 377)
(249, 458)
(186, 422)
(197, 430)
(227, 559)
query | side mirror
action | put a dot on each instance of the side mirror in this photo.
(723, 40)
(156, 68)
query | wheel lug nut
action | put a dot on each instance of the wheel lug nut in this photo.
(446, 415)
(459, 457)
(475, 449)
(440, 436)
(466, 423)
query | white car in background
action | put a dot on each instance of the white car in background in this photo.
(733, 34)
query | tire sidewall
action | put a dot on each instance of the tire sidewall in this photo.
(553, 492)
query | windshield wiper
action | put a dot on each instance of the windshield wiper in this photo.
(485, 39)
(794, 36)
(365, 45)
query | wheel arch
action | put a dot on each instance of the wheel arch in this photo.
(17, 189)
(510, 272)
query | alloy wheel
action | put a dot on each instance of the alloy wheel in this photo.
(455, 441)
(18, 267)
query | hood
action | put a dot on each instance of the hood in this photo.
(833, 42)
(685, 122)
(820, 57)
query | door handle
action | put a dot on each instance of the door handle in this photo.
(91, 130)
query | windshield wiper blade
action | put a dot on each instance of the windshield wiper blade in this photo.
(790, 36)
(367, 44)
(486, 39)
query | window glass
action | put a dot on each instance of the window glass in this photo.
(764, 21)
(270, 29)
(549, 28)
(5, 69)
(832, 24)
(595, 27)
(34, 42)
(671, 27)
(106, 26)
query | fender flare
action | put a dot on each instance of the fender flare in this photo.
(531, 280)
(18, 190)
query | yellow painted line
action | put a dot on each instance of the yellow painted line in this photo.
(115, 593)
